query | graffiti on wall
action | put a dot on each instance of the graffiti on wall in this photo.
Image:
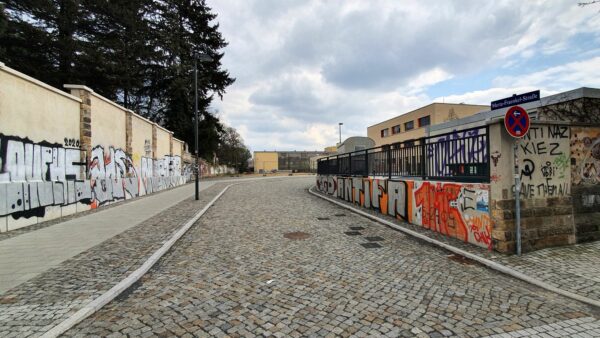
(585, 151)
(23, 160)
(453, 209)
(544, 168)
(445, 153)
(35, 176)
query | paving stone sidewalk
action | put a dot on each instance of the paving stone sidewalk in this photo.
(234, 274)
(574, 268)
(44, 301)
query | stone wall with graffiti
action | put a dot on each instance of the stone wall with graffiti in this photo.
(544, 155)
(560, 191)
(585, 177)
(459, 210)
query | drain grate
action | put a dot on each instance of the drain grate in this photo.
(352, 233)
(296, 236)
(323, 218)
(374, 239)
(357, 228)
(371, 245)
(340, 215)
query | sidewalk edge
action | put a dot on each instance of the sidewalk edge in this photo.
(490, 264)
(123, 285)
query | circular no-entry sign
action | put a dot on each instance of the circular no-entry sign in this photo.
(516, 121)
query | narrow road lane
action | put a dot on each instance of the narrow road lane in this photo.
(235, 274)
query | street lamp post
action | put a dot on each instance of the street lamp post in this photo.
(202, 57)
(340, 132)
(196, 126)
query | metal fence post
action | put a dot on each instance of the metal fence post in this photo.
(350, 164)
(366, 163)
(423, 158)
(389, 161)
(487, 156)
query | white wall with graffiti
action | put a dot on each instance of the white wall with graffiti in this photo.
(42, 181)
(46, 169)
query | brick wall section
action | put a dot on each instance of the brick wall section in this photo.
(586, 213)
(545, 222)
(154, 140)
(85, 131)
(128, 133)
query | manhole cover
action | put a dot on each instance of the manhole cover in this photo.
(340, 215)
(371, 245)
(296, 236)
(352, 233)
(461, 259)
(357, 228)
(374, 239)
(323, 218)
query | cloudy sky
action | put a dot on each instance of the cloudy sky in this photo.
(303, 66)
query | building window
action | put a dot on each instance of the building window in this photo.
(424, 121)
(385, 132)
(396, 129)
(409, 125)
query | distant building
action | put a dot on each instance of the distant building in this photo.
(355, 143)
(295, 161)
(412, 125)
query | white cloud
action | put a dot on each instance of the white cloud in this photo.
(303, 66)
(568, 76)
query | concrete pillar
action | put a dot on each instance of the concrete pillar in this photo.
(128, 133)
(154, 141)
(85, 122)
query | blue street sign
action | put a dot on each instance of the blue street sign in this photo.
(516, 100)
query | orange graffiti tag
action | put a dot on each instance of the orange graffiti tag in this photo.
(437, 213)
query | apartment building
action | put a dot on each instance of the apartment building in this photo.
(411, 125)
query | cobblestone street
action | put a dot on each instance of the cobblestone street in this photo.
(235, 274)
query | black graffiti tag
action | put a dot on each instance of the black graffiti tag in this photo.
(528, 168)
(547, 170)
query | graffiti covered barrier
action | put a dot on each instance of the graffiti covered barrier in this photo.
(459, 210)
(42, 181)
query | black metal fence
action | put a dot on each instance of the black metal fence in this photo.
(456, 156)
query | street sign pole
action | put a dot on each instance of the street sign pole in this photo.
(517, 196)
(517, 123)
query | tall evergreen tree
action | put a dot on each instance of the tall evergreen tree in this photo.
(139, 53)
(186, 30)
(39, 39)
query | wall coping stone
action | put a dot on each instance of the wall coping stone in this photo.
(37, 82)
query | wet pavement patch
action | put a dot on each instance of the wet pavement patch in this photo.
(357, 228)
(352, 233)
(296, 236)
(323, 218)
(374, 239)
(371, 245)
